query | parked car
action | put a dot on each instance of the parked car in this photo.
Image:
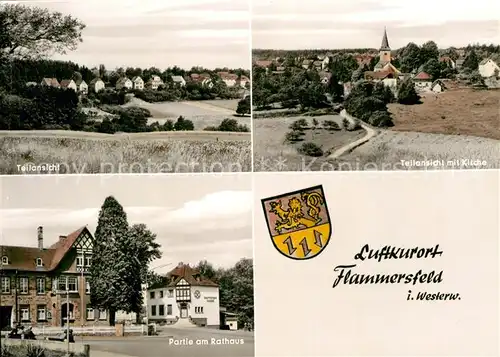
(19, 332)
(63, 336)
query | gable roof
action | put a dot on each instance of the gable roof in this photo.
(178, 79)
(378, 74)
(66, 82)
(95, 80)
(440, 82)
(81, 82)
(137, 78)
(24, 258)
(423, 76)
(264, 64)
(50, 82)
(186, 272)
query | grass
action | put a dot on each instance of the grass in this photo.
(273, 153)
(31, 351)
(201, 113)
(456, 112)
(128, 153)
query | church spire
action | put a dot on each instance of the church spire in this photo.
(385, 42)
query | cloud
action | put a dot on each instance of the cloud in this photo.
(224, 204)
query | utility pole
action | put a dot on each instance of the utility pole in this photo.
(67, 318)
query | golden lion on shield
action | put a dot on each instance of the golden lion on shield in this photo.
(294, 218)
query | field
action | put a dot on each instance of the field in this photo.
(201, 113)
(155, 152)
(455, 112)
(272, 153)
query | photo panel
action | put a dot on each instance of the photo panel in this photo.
(377, 264)
(111, 87)
(130, 265)
(375, 85)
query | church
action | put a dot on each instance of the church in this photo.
(384, 70)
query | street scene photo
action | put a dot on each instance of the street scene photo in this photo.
(108, 87)
(375, 85)
(165, 269)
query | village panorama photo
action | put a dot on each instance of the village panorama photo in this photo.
(108, 87)
(375, 85)
(165, 269)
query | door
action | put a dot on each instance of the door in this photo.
(64, 313)
(5, 316)
(184, 311)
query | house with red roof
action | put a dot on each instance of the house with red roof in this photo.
(36, 282)
(422, 80)
(184, 298)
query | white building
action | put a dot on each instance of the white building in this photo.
(488, 68)
(124, 83)
(185, 297)
(179, 80)
(155, 82)
(97, 85)
(69, 84)
(82, 86)
(138, 83)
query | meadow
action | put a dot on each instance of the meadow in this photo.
(79, 152)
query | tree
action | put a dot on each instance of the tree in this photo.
(429, 51)
(410, 57)
(108, 285)
(471, 61)
(434, 68)
(357, 75)
(206, 270)
(183, 124)
(35, 31)
(243, 106)
(384, 93)
(146, 249)
(407, 93)
(335, 89)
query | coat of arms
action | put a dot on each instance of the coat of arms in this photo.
(298, 222)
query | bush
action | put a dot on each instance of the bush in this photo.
(293, 136)
(381, 119)
(331, 125)
(230, 125)
(153, 96)
(183, 124)
(243, 106)
(407, 94)
(299, 125)
(311, 149)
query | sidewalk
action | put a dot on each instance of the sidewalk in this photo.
(104, 354)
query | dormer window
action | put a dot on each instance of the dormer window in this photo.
(39, 262)
(5, 260)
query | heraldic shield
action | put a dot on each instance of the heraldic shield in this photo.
(299, 222)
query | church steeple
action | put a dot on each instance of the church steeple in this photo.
(385, 42)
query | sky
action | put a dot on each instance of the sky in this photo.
(195, 217)
(336, 24)
(147, 33)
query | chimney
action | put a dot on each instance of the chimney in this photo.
(61, 238)
(40, 237)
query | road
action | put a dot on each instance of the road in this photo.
(204, 344)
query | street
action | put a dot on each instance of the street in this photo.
(176, 343)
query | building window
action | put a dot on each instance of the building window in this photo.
(87, 287)
(161, 294)
(67, 283)
(5, 260)
(161, 310)
(5, 285)
(198, 310)
(40, 285)
(83, 260)
(170, 293)
(103, 315)
(153, 310)
(41, 313)
(39, 262)
(90, 313)
(25, 313)
(169, 310)
(49, 314)
(152, 295)
(23, 285)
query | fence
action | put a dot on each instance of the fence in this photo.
(87, 330)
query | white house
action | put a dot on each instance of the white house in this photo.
(155, 82)
(244, 81)
(423, 81)
(124, 83)
(230, 79)
(488, 68)
(97, 85)
(82, 87)
(438, 86)
(138, 83)
(69, 84)
(184, 298)
(179, 80)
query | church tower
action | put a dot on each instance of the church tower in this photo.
(385, 50)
